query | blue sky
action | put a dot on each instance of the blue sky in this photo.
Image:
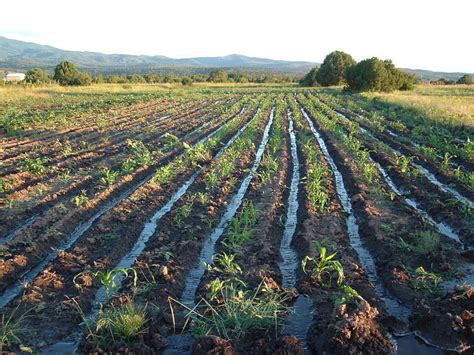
(425, 34)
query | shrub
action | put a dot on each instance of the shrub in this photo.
(333, 68)
(67, 74)
(186, 81)
(37, 76)
(374, 74)
(465, 79)
(218, 76)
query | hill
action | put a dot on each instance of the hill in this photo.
(19, 55)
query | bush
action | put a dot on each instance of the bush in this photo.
(332, 70)
(187, 81)
(465, 79)
(218, 76)
(374, 74)
(310, 78)
(67, 74)
(37, 76)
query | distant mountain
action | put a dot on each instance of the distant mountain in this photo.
(427, 75)
(19, 55)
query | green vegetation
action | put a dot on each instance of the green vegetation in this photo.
(333, 69)
(323, 266)
(376, 75)
(67, 74)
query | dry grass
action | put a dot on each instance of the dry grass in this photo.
(452, 104)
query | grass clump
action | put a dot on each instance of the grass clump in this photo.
(426, 243)
(240, 311)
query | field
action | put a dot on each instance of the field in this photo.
(237, 219)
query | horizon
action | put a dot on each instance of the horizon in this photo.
(436, 48)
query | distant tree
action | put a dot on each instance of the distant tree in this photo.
(186, 81)
(218, 76)
(99, 79)
(374, 74)
(136, 79)
(465, 79)
(37, 76)
(310, 78)
(332, 70)
(152, 78)
(66, 73)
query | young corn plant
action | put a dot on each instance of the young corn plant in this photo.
(108, 279)
(425, 281)
(80, 200)
(323, 265)
(109, 177)
(183, 212)
(36, 166)
(225, 263)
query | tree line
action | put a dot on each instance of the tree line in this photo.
(372, 74)
(68, 74)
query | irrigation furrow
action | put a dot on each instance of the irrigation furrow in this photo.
(10, 235)
(300, 318)
(393, 306)
(442, 227)
(148, 231)
(179, 342)
(207, 251)
(15, 289)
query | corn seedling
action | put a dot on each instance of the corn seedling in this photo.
(109, 279)
(323, 265)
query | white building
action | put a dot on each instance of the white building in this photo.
(14, 77)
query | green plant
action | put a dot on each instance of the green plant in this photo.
(12, 329)
(36, 166)
(225, 263)
(80, 200)
(5, 185)
(349, 296)
(241, 228)
(183, 212)
(426, 243)
(109, 177)
(425, 280)
(239, 312)
(108, 279)
(124, 322)
(323, 265)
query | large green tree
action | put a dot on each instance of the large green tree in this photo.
(332, 70)
(66, 73)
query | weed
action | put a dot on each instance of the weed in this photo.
(426, 243)
(425, 281)
(5, 185)
(349, 296)
(12, 330)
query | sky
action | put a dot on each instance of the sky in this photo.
(419, 34)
